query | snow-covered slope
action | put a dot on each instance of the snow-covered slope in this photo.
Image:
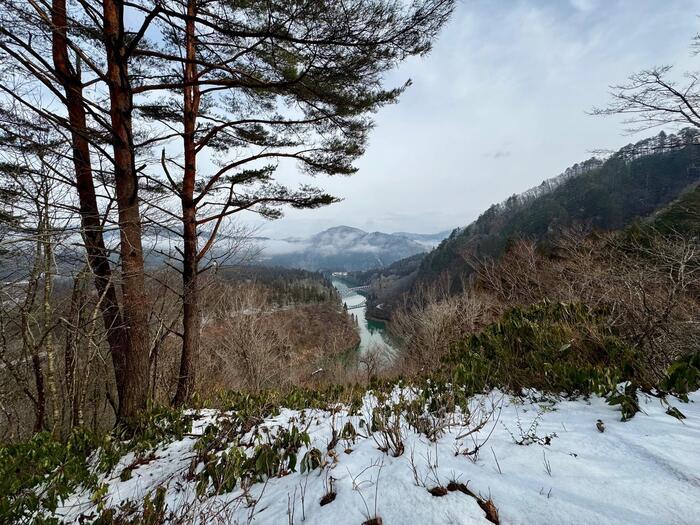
(538, 461)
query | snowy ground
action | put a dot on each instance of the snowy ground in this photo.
(644, 471)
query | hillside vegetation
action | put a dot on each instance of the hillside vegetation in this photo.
(421, 454)
(636, 182)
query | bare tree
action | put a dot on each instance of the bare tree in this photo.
(39, 225)
(254, 349)
(432, 321)
(652, 98)
(656, 97)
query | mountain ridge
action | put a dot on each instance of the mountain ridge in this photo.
(345, 248)
(638, 181)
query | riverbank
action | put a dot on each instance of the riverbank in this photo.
(372, 333)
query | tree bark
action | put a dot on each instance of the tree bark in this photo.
(70, 353)
(191, 321)
(40, 405)
(91, 225)
(134, 299)
(28, 339)
(47, 310)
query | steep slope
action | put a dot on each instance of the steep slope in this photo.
(681, 216)
(638, 181)
(635, 182)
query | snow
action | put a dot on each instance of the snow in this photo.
(643, 471)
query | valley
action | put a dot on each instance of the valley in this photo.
(358, 262)
(373, 336)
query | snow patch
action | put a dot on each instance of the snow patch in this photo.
(642, 471)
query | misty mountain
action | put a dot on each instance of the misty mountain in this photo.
(343, 248)
(428, 239)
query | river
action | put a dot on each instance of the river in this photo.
(372, 333)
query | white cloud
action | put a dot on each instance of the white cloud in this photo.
(506, 75)
(584, 5)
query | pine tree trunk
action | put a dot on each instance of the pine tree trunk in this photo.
(91, 226)
(191, 320)
(134, 298)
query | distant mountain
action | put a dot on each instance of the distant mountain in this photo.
(654, 181)
(428, 239)
(343, 248)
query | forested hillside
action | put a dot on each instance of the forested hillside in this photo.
(633, 183)
(681, 216)
(401, 268)
(286, 286)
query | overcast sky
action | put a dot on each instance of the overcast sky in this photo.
(498, 106)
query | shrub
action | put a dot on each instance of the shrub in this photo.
(683, 376)
(555, 347)
(626, 399)
(37, 474)
(155, 426)
(225, 463)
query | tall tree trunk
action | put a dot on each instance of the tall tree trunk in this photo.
(47, 311)
(40, 405)
(28, 339)
(134, 298)
(191, 320)
(91, 225)
(71, 354)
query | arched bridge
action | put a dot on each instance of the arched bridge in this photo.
(349, 291)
